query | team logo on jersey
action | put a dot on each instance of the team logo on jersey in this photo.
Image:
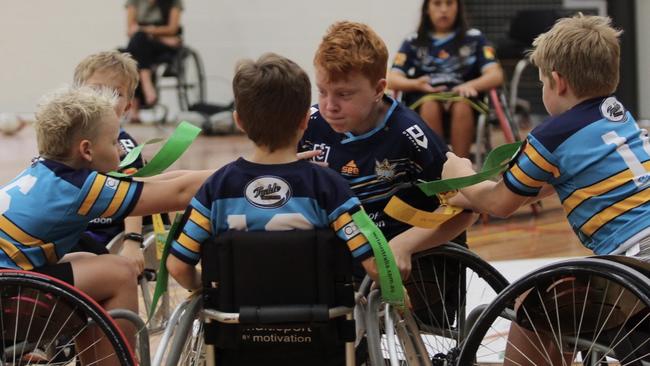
(612, 109)
(417, 136)
(312, 110)
(400, 59)
(324, 153)
(465, 51)
(268, 192)
(385, 170)
(111, 183)
(350, 168)
(488, 53)
(127, 144)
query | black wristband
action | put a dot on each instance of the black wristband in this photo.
(137, 237)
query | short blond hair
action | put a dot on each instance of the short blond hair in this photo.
(120, 64)
(584, 50)
(349, 46)
(68, 114)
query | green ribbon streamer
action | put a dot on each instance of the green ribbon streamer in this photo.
(496, 162)
(178, 142)
(162, 276)
(451, 97)
(135, 152)
(392, 289)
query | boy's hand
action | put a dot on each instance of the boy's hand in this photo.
(132, 250)
(402, 258)
(423, 84)
(306, 155)
(456, 167)
(465, 90)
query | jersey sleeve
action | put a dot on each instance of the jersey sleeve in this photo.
(341, 204)
(108, 197)
(195, 228)
(534, 167)
(485, 53)
(403, 60)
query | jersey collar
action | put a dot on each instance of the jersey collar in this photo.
(350, 137)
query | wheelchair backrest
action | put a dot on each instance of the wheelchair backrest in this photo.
(244, 270)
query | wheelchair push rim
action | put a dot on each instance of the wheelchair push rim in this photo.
(592, 311)
(41, 318)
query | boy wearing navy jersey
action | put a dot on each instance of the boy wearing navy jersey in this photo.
(270, 190)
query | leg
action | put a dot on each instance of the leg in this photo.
(431, 113)
(524, 348)
(148, 89)
(111, 281)
(463, 128)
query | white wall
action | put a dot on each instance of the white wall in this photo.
(41, 41)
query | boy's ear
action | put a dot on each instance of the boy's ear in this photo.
(86, 150)
(560, 82)
(380, 88)
(235, 116)
(305, 122)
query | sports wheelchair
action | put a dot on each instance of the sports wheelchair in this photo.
(594, 311)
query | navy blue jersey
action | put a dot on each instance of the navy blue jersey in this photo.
(105, 228)
(598, 161)
(383, 162)
(270, 197)
(445, 61)
(45, 209)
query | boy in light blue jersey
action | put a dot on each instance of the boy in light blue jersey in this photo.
(591, 152)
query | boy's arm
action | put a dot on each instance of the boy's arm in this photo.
(169, 195)
(417, 239)
(185, 274)
(131, 249)
(370, 265)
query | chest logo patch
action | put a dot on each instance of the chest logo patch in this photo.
(268, 192)
(612, 109)
(385, 170)
(324, 153)
(350, 168)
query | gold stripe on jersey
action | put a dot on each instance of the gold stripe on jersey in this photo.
(540, 161)
(92, 195)
(15, 254)
(596, 189)
(524, 178)
(50, 253)
(199, 219)
(118, 199)
(188, 243)
(341, 221)
(19, 235)
(610, 213)
(357, 242)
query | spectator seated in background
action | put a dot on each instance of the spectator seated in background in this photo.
(154, 29)
(444, 55)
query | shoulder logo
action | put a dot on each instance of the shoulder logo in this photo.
(324, 153)
(417, 136)
(268, 192)
(312, 111)
(613, 110)
(350, 168)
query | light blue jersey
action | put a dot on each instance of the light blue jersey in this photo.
(598, 161)
(44, 210)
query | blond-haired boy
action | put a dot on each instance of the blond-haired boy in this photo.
(591, 152)
(51, 202)
(118, 71)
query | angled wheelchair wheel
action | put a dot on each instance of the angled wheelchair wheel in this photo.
(46, 321)
(447, 288)
(577, 312)
(191, 79)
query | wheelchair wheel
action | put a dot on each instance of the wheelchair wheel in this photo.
(191, 79)
(577, 312)
(447, 285)
(46, 321)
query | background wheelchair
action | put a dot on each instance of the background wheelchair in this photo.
(596, 310)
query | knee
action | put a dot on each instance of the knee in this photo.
(125, 270)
